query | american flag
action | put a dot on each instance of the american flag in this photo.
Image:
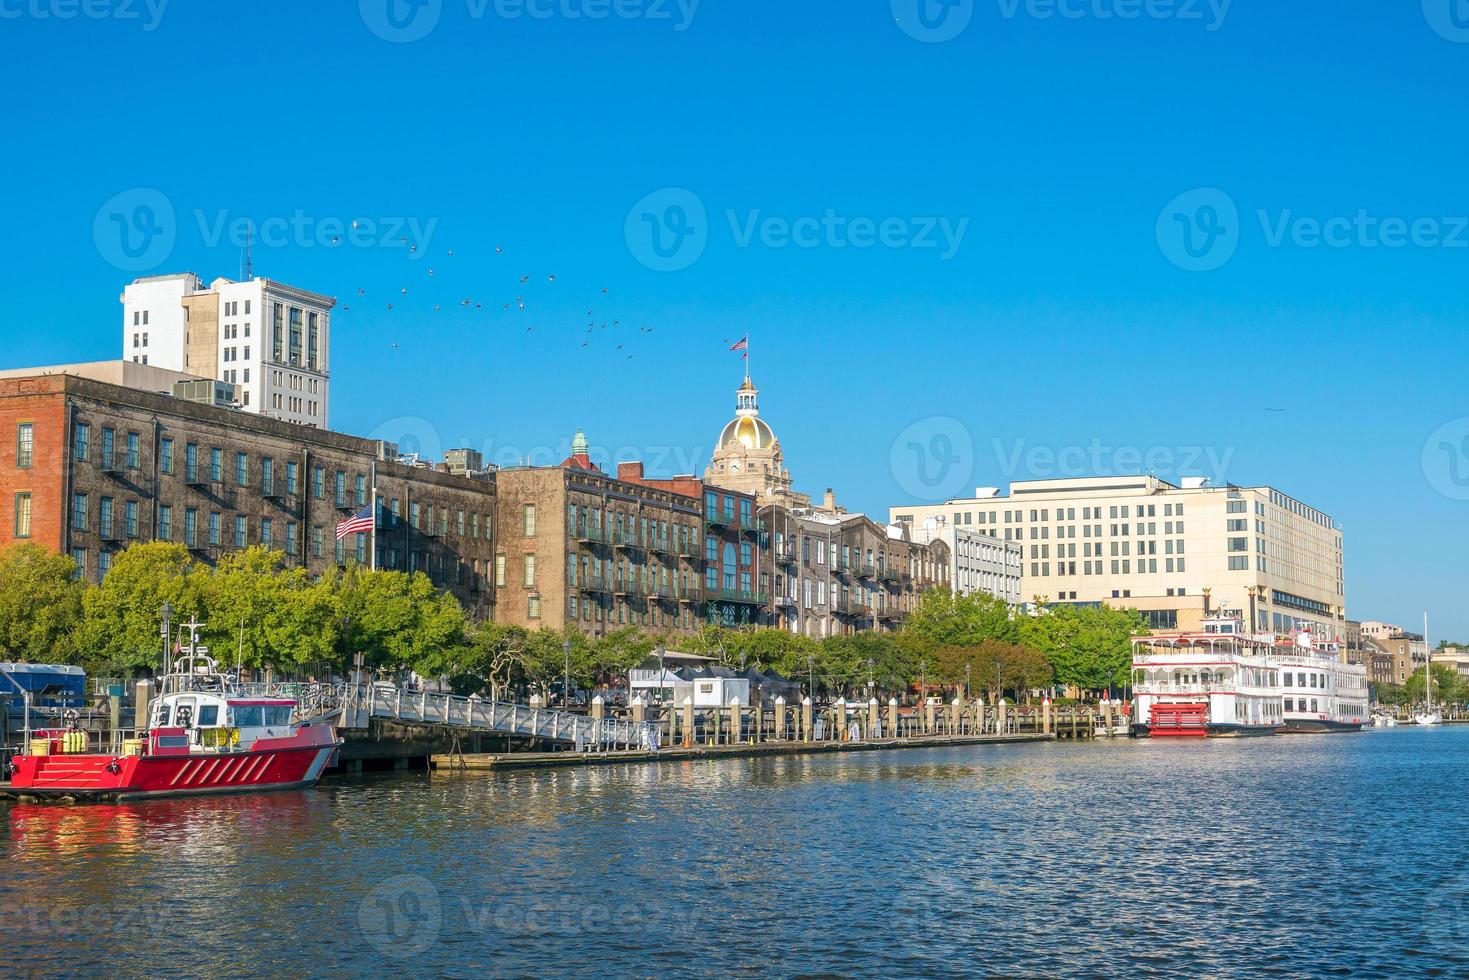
(742, 343)
(358, 523)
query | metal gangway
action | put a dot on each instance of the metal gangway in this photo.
(359, 704)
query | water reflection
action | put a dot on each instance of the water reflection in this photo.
(1221, 858)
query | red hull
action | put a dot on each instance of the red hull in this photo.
(281, 763)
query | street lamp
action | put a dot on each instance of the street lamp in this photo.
(870, 682)
(966, 681)
(566, 674)
(660, 672)
(923, 679)
(811, 676)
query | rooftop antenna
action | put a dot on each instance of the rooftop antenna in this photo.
(249, 270)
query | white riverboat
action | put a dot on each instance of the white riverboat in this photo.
(1217, 683)
(1321, 693)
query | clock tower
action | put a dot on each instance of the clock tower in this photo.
(747, 455)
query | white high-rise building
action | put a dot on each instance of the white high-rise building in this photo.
(270, 340)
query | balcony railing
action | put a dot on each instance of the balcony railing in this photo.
(786, 555)
(690, 548)
(629, 539)
(751, 525)
(718, 519)
(591, 583)
(587, 534)
(784, 601)
(735, 595)
(890, 575)
(863, 569)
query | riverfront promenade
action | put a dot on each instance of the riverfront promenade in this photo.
(482, 761)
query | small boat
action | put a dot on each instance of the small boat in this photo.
(1428, 716)
(205, 734)
(1384, 720)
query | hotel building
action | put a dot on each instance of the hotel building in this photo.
(1175, 553)
(270, 340)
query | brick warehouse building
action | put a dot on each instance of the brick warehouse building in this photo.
(736, 586)
(583, 549)
(90, 467)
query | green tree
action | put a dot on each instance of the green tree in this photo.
(261, 612)
(1448, 686)
(40, 605)
(121, 616)
(397, 620)
(1088, 647)
(945, 619)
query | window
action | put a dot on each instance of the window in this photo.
(292, 545)
(79, 512)
(191, 462)
(533, 606)
(132, 451)
(214, 539)
(1239, 544)
(316, 542)
(81, 441)
(1238, 563)
(216, 464)
(25, 434)
(130, 518)
(242, 531)
(165, 522)
(22, 515)
(500, 571)
(318, 482)
(293, 476)
(361, 490)
(528, 520)
(341, 488)
(267, 477)
(191, 527)
(242, 469)
(165, 455)
(267, 532)
(530, 570)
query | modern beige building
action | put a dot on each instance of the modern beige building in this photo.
(1172, 552)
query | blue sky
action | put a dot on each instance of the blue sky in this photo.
(1066, 323)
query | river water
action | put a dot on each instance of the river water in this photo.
(1294, 856)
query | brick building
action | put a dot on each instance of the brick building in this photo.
(90, 467)
(583, 549)
(837, 573)
(736, 585)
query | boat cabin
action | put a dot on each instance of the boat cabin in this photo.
(223, 721)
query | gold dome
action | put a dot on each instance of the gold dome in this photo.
(747, 431)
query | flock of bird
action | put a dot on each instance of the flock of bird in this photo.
(599, 329)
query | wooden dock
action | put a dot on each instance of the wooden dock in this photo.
(480, 762)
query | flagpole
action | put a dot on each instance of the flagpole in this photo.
(372, 500)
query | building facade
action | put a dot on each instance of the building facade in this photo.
(582, 549)
(1175, 553)
(270, 340)
(735, 582)
(978, 562)
(838, 573)
(92, 467)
